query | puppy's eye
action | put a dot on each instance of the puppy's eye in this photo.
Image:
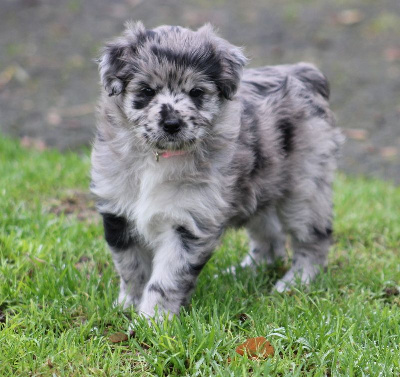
(196, 92)
(148, 92)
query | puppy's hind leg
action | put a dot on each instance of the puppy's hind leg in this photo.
(309, 222)
(267, 240)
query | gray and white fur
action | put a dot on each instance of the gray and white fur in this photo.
(188, 144)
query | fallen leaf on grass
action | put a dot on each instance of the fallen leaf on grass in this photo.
(256, 348)
(118, 337)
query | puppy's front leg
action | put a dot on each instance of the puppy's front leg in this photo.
(176, 265)
(131, 258)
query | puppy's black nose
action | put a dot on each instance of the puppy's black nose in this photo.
(172, 125)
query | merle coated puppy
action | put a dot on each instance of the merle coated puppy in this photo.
(189, 143)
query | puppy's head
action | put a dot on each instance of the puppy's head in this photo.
(170, 81)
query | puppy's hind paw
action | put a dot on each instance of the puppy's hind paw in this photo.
(283, 286)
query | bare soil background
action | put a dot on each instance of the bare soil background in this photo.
(49, 82)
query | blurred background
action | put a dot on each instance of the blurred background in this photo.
(49, 82)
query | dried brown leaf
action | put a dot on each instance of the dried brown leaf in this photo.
(256, 348)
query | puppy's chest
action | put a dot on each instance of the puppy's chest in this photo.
(156, 202)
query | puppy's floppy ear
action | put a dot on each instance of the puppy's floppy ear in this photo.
(114, 68)
(232, 62)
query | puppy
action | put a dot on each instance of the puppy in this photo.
(188, 144)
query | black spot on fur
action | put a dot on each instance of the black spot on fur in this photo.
(166, 110)
(195, 268)
(254, 142)
(198, 101)
(186, 285)
(318, 111)
(157, 288)
(116, 68)
(204, 60)
(322, 234)
(116, 231)
(142, 277)
(141, 100)
(187, 238)
(259, 158)
(286, 128)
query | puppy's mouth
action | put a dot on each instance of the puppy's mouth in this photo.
(175, 147)
(171, 150)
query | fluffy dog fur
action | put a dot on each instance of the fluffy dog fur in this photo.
(189, 143)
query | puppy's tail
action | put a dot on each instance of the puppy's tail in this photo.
(312, 78)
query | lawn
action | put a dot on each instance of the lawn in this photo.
(57, 286)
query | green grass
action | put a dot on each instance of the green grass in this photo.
(57, 285)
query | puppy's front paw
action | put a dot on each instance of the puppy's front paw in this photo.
(283, 286)
(297, 276)
(155, 314)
